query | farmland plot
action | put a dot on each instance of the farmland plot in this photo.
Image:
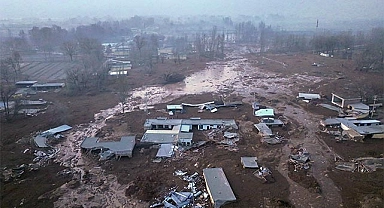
(46, 71)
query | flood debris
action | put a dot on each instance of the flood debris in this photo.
(265, 174)
(224, 138)
(361, 165)
(352, 129)
(13, 173)
(213, 106)
(42, 158)
(41, 139)
(186, 197)
(266, 134)
(300, 158)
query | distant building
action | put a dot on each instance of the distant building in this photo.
(47, 86)
(25, 84)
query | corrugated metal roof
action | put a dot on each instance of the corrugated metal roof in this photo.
(249, 162)
(165, 150)
(263, 129)
(58, 129)
(218, 186)
(40, 141)
(123, 147)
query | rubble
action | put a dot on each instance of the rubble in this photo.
(300, 158)
(265, 174)
(175, 199)
(361, 165)
(224, 137)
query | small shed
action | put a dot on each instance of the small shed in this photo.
(218, 186)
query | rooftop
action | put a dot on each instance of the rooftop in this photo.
(123, 147)
(264, 112)
(218, 186)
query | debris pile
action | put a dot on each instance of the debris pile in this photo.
(276, 139)
(189, 196)
(361, 165)
(299, 158)
(41, 159)
(225, 138)
(265, 174)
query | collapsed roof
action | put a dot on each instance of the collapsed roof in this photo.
(124, 147)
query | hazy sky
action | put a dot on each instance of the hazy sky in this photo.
(322, 9)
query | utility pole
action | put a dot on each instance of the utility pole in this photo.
(373, 107)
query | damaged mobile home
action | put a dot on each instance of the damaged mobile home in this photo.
(41, 139)
(218, 186)
(177, 131)
(124, 147)
(353, 128)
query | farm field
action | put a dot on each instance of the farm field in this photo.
(46, 71)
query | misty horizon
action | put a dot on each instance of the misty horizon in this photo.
(325, 10)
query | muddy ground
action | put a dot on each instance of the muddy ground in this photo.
(273, 80)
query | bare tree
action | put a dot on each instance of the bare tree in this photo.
(139, 42)
(7, 90)
(123, 91)
(262, 36)
(69, 48)
(7, 87)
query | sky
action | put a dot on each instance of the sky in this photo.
(320, 9)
